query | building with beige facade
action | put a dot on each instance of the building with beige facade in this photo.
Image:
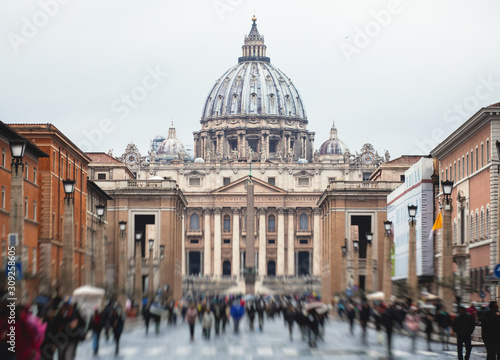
(253, 120)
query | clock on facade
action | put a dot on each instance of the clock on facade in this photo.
(367, 158)
(131, 158)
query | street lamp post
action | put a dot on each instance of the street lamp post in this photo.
(122, 266)
(355, 245)
(369, 266)
(412, 279)
(162, 256)
(138, 269)
(388, 265)
(99, 258)
(447, 293)
(151, 275)
(67, 268)
(16, 216)
(343, 285)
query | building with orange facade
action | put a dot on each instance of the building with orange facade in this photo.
(468, 157)
(65, 161)
(29, 199)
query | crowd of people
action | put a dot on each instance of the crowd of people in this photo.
(58, 325)
(408, 318)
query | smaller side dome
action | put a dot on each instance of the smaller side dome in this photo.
(171, 147)
(302, 161)
(199, 160)
(333, 146)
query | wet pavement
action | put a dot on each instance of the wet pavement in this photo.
(273, 343)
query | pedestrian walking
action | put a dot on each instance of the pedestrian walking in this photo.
(490, 330)
(237, 312)
(191, 315)
(351, 314)
(312, 319)
(251, 310)
(364, 317)
(73, 326)
(290, 317)
(464, 327)
(118, 322)
(260, 312)
(412, 324)
(146, 314)
(95, 325)
(428, 320)
(377, 316)
(217, 311)
(389, 317)
(206, 322)
(443, 321)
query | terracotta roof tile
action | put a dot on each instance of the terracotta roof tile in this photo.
(102, 158)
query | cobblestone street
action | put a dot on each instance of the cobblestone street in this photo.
(273, 343)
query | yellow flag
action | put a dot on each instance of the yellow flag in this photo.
(439, 223)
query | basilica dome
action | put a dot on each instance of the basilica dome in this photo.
(171, 146)
(254, 86)
(333, 146)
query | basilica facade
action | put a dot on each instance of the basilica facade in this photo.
(253, 122)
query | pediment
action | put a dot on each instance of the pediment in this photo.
(239, 187)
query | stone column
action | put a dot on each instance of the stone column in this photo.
(387, 282)
(217, 242)
(183, 246)
(235, 266)
(262, 241)
(16, 223)
(412, 279)
(316, 242)
(369, 270)
(291, 243)
(138, 275)
(99, 256)
(447, 293)
(280, 266)
(242, 143)
(207, 243)
(151, 280)
(68, 267)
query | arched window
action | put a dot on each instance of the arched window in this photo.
(304, 222)
(482, 223)
(477, 226)
(195, 222)
(227, 223)
(487, 223)
(271, 223)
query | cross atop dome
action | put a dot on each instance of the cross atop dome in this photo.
(254, 48)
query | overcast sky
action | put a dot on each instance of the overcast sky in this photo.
(401, 75)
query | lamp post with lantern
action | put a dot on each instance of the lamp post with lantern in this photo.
(16, 215)
(343, 285)
(447, 292)
(412, 279)
(387, 284)
(68, 264)
(151, 275)
(99, 247)
(122, 267)
(355, 246)
(138, 270)
(369, 266)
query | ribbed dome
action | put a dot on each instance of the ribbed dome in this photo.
(171, 145)
(254, 86)
(333, 146)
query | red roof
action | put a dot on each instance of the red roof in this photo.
(99, 157)
(406, 159)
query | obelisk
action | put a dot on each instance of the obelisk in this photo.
(250, 239)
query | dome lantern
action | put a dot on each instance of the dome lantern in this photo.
(253, 47)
